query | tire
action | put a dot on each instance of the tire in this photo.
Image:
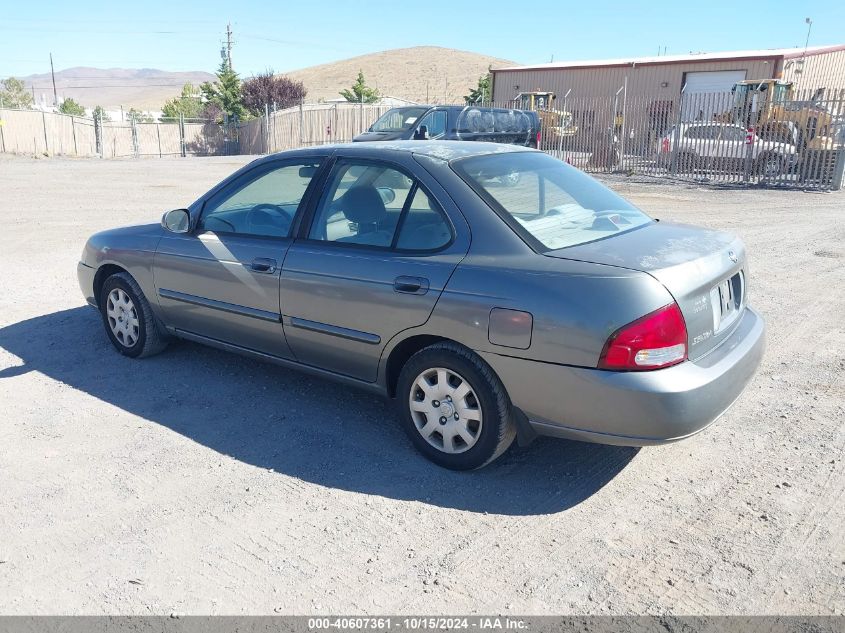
(481, 410)
(687, 163)
(770, 165)
(128, 318)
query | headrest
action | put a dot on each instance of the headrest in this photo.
(363, 204)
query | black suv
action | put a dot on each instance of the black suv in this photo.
(456, 123)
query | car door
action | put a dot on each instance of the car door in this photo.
(221, 279)
(382, 241)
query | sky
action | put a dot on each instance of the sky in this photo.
(285, 35)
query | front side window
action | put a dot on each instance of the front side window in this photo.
(372, 204)
(733, 134)
(435, 122)
(551, 204)
(264, 206)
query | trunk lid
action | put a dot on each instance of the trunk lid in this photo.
(703, 269)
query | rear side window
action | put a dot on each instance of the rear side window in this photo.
(549, 203)
(703, 132)
(424, 227)
(372, 204)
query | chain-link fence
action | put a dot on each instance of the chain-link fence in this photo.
(52, 133)
(751, 135)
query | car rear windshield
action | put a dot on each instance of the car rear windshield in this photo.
(398, 119)
(550, 204)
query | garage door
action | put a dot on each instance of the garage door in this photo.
(708, 93)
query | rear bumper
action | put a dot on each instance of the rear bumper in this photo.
(635, 408)
(85, 274)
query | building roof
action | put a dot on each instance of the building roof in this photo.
(769, 53)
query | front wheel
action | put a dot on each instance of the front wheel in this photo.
(770, 166)
(128, 318)
(454, 408)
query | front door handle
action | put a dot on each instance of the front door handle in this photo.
(411, 285)
(263, 265)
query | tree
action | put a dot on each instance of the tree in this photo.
(99, 113)
(271, 90)
(360, 91)
(226, 93)
(138, 116)
(188, 104)
(13, 94)
(71, 107)
(481, 93)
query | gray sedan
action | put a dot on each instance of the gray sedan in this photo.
(493, 291)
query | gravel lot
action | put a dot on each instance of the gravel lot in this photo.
(201, 482)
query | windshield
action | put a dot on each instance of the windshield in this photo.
(398, 119)
(551, 204)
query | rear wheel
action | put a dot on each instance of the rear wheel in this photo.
(454, 407)
(128, 318)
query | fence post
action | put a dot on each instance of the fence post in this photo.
(73, 131)
(838, 170)
(182, 147)
(98, 133)
(301, 124)
(676, 141)
(158, 136)
(44, 123)
(133, 128)
(266, 128)
(2, 135)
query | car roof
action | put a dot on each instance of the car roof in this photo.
(443, 150)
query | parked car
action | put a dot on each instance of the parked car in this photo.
(724, 146)
(456, 123)
(550, 307)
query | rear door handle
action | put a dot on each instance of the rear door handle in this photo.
(411, 285)
(263, 265)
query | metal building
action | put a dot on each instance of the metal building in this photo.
(664, 77)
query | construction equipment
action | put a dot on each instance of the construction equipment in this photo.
(556, 124)
(767, 105)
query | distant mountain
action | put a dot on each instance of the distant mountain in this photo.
(144, 88)
(422, 73)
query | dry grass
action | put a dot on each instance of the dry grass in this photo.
(423, 73)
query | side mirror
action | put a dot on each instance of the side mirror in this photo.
(421, 134)
(176, 221)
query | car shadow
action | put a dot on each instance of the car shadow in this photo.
(301, 426)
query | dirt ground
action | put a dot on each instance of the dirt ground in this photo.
(201, 482)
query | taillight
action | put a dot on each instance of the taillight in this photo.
(664, 145)
(538, 139)
(656, 340)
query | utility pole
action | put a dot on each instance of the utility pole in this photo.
(53, 74)
(809, 23)
(229, 44)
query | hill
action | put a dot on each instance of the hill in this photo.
(422, 73)
(144, 88)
